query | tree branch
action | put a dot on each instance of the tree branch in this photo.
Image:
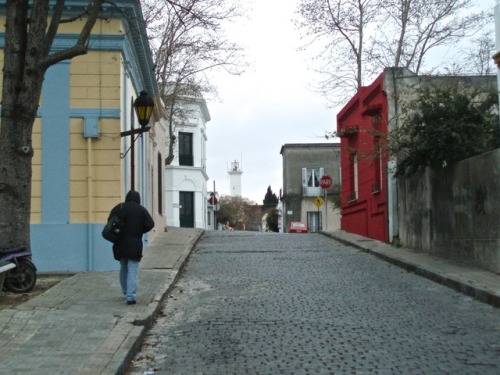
(81, 46)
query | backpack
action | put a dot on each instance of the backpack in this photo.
(113, 229)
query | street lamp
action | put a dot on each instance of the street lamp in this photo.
(143, 105)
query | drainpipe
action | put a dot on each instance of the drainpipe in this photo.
(392, 186)
(90, 237)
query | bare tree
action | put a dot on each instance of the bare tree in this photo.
(339, 28)
(481, 55)
(236, 212)
(477, 59)
(188, 43)
(419, 26)
(30, 30)
(402, 32)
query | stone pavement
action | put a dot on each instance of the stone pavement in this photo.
(474, 282)
(83, 326)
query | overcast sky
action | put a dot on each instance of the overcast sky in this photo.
(269, 106)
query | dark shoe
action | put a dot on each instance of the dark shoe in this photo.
(131, 302)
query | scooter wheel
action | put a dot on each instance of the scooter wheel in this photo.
(21, 279)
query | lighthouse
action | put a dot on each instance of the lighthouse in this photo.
(235, 179)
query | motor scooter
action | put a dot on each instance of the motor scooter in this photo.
(22, 278)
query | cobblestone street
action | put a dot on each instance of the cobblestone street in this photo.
(255, 303)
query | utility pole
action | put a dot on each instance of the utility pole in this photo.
(215, 209)
(496, 56)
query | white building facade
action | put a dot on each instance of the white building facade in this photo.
(186, 177)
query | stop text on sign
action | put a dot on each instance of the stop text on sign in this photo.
(325, 182)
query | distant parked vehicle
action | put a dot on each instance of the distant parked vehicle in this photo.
(297, 227)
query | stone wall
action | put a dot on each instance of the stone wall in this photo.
(454, 212)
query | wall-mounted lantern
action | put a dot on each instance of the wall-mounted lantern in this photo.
(144, 105)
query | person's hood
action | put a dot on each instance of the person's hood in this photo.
(133, 196)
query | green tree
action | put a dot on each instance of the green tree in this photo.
(272, 220)
(444, 125)
(270, 197)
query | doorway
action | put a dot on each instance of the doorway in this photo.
(186, 209)
(314, 222)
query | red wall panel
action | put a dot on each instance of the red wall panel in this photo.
(361, 124)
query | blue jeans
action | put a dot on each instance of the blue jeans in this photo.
(128, 278)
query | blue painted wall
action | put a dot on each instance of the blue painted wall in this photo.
(58, 245)
(71, 247)
(55, 145)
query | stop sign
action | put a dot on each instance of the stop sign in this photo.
(325, 182)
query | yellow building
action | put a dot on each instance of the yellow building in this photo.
(84, 163)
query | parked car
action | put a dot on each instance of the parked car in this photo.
(297, 227)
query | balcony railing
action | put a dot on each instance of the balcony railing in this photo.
(310, 191)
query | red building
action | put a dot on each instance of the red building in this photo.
(362, 126)
(371, 201)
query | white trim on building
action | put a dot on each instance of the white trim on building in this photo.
(186, 177)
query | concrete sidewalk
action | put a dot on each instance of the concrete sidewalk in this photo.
(82, 325)
(474, 282)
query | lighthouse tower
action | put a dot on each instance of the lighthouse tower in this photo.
(235, 179)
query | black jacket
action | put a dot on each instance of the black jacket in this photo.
(137, 222)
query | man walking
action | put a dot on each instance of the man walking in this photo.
(128, 249)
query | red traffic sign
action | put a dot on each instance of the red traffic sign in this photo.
(325, 182)
(213, 200)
